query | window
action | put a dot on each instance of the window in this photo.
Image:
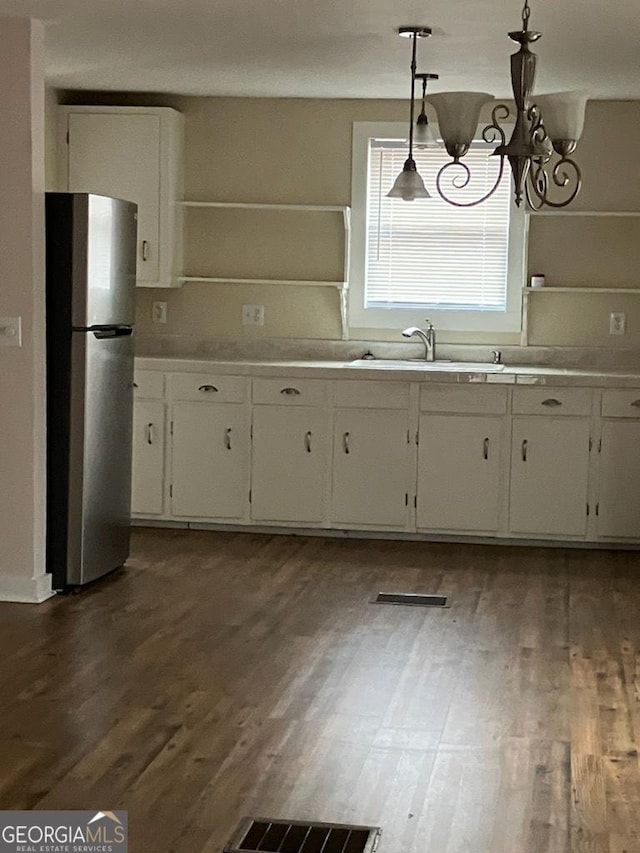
(461, 267)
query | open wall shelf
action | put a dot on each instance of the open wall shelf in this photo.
(342, 286)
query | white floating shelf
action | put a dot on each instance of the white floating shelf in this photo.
(287, 281)
(581, 289)
(618, 213)
(259, 206)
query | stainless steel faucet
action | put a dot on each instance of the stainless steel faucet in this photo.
(428, 338)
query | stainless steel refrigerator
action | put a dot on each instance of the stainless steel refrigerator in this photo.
(90, 304)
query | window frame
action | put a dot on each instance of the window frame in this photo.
(444, 319)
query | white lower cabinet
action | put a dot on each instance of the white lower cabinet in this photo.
(490, 460)
(210, 460)
(619, 481)
(289, 464)
(370, 468)
(549, 476)
(459, 472)
(147, 476)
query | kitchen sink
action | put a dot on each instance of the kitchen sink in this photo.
(420, 364)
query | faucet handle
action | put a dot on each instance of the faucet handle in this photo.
(429, 323)
(497, 356)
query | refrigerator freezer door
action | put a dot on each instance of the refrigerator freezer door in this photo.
(104, 262)
(99, 454)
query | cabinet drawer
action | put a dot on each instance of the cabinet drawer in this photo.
(456, 398)
(208, 387)
(148, 383)
(552, 401)
(290, 392)
(621, 404)
(349, 393)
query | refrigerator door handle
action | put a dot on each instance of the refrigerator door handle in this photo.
(111, 331)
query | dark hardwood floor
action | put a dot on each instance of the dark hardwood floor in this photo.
(223, 675)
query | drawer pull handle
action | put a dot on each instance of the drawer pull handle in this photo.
(291, 392)
(485, 448)
(145, 250)
(525, 448)
(307, 441)
(551, 401)
(636, 403)
(207, 388)
(149, 433)
(345, 443)
(227, 439)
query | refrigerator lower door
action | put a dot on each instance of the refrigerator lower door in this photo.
(99, 454)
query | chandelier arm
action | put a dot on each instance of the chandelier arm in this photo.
(535, 188)
(561, 179)
(492, 132)
(461, 186)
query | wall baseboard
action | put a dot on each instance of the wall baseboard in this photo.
(21, 590)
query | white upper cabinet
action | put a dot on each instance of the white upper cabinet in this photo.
(134, 153)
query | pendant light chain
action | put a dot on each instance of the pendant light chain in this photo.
(526, 14)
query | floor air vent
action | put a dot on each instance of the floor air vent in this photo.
(412, 599)
(293, 836)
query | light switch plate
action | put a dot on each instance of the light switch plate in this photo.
(617, 323)
(253, 315)
(10, 331)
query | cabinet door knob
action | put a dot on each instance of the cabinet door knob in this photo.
(485, 448)
(149, 433)
(307, 441)
(345, 442)
(227, 439)
(145, 250)
(525, 448)
(207, 388)
(291, 392)
(551, 401)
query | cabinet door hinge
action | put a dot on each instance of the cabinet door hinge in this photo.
(417, 437)
(408, 437)
(171, 490)
(597, 509)
(67, 137)
(171, 428)
(600, 446)
(249, 495)
(406, 499)
(590, 444)
(415, 502)
(587, 509)
(251, 432)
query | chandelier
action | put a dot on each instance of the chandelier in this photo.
(544, 136)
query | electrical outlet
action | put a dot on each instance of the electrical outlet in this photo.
(253, 315)
(617, 324)
(11, 331)
(159, 312)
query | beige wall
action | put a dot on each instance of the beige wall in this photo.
(22, 370)
(299, 151)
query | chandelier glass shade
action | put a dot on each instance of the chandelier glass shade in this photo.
(545, 133)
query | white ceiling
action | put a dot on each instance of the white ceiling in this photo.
(330, 48)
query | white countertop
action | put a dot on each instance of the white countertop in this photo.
(510, 375)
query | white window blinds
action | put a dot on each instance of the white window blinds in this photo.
(428, 253)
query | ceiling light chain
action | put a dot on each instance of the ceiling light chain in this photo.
(551, 126)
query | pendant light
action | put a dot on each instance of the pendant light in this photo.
(409, 185)
(423, 132)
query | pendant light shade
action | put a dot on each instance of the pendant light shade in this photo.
(408, 185)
